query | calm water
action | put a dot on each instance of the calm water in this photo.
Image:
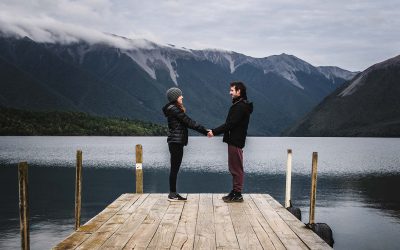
(358, 181)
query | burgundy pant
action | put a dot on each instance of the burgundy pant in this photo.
(235, 163)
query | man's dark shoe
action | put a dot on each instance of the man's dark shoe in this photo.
(229, 196)
(237, 197)
(176, 197)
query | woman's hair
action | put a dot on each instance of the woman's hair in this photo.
(242, 87)
(180, 106)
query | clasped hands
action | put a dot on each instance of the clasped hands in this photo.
(210, 133)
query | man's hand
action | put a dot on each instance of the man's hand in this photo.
(210, 133)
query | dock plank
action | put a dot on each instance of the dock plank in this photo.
(265, 234)
(142, 237)
(245, 234)
(150, 221)
(108, 212)
(72, 241)
(285, 234)
(164, 235)
(184, 236)
(85, 231)
(140, 210)
(224, 231)
(312, 240)
(98, 238)
(205, 230)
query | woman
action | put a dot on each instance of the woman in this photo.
(178, 124)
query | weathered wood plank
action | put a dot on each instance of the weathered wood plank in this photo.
(312, 240)
(84, 232)
(245, 234)
(184, 236)
(150, 221)
(103, 233)
(78, 189)
(140, 210)
(265, 234)
(205, 230)
(285, 234)
(72, 241)
(24, 205)
(142, 237)
(224, 231)
(165, 233)
(138, 169)
(134, 198)
(96, 222)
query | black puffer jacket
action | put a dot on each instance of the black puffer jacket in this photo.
(235, 126)
(178, 124)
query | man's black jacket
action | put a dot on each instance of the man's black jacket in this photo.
(178, 124)
(236, 124)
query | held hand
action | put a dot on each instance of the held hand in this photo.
(210, 133)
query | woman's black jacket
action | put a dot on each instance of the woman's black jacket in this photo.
(178, 124)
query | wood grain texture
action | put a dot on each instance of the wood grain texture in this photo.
(24, 205)
(150, 221)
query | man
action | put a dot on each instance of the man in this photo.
(235, 132)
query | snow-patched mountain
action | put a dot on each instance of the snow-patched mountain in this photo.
(369, 105)
(129, 78)
(283, 65)
(332, 72)
(151, 56)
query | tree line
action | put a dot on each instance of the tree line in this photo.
(25, 122)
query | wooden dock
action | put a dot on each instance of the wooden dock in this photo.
(150, 221)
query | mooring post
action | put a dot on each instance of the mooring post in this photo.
(78, 189)
(313, 195)
(139, 170)
(288, 178)
(23, 204)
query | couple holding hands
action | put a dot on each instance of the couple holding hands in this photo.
(234, 130)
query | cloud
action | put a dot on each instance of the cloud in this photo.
(349, 34)
(48, 30)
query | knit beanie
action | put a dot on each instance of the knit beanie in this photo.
(173, 94)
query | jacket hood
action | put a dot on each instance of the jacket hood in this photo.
(249, 106)
(167, 108)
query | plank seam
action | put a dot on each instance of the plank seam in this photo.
(120, 197)
(147, 195)
(259, 223)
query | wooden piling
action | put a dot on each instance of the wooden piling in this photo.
(139, 170)
(313, 194)
(23, 204)
(78, 189)
(288, 178)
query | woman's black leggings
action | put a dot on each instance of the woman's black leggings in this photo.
(176, 152)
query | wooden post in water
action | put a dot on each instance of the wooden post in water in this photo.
(78, 189)
(139, 170)
(288, 178)
(313, 194)
(23, 204)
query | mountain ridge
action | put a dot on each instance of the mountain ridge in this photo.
(368, 105)
(110, 81)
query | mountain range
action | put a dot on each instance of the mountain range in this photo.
(368, 105)
(130, 81)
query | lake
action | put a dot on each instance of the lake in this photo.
(358, 181)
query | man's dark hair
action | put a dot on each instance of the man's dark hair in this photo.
(242, 87)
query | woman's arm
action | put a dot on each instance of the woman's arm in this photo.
(182, 117)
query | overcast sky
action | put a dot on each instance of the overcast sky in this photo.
(349, 34)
